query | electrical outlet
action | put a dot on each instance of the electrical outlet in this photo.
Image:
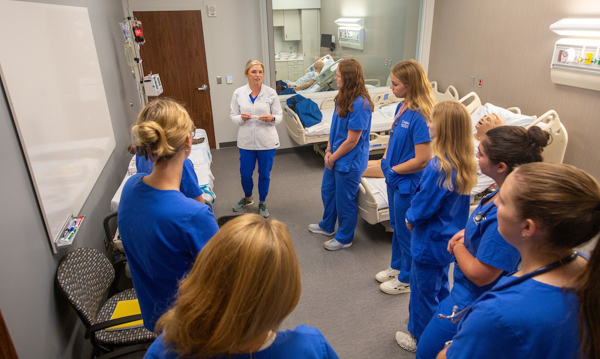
(472, 80)
(480, 82)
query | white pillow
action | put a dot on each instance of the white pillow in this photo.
(510, 118)
(388, 110)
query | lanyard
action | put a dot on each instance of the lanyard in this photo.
(457, 315)
(397, 118)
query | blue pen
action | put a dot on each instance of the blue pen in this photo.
(73, 225)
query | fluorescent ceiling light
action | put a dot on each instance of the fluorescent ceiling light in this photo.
(577, 27)
(351, 22)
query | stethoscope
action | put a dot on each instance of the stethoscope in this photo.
(457, 315)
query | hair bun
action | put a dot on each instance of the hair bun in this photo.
(537, 137)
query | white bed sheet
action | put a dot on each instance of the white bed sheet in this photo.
(200, 157)
(379, 190)
(382, 120)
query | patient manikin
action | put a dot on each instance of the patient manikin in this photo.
(308, 79)
(485, 124)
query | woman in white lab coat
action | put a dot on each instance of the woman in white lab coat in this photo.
(255, 108)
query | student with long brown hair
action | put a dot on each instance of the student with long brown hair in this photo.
(242, 286)
(549, 308)
(407, 154)
(346, 156)
(439, 209)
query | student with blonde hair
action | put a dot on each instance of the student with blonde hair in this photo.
(407, 154)
(549, 308)
(242, 286)
(481, 256)
(162, 230)
(255, 108)
(439, 209)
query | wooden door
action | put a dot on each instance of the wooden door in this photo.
(7, 349)
(174, 49)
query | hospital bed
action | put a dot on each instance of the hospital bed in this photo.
(201, 158)
(450, 94)
(318, 134)
(383, 117)
(372, 196)
(325, 78)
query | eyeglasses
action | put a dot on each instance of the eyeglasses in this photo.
(193, 132)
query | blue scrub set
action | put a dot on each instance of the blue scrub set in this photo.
(340, 185)
(437, 214)
(484, 242)
(302, 342)
(248, 159)
(189, 181)
(407, 131)
(528, 320)
(162, 231)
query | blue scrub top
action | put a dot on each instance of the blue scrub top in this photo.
(407, 131)
(162, 233)
(487, 245)
(189, 181)
(303, 342)
(437, 214)
(528, 320)
(357, 119)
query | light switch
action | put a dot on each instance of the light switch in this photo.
(219, 81)
(229, 79)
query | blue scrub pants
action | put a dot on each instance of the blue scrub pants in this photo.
(339, 192)
(248, 160)
(438, 332)
(401, 257)
(426, 281)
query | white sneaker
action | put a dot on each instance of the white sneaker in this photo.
(334, 245)
(406, 342)
(387, 274)
(394, 286)
(314, 228)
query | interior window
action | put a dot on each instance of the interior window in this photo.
(378, 34)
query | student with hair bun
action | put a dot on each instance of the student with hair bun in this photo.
(481, 255)
(244, 283)
(549, 308)
(162, 230)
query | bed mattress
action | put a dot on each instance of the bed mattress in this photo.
(383, 117)
(379, 190)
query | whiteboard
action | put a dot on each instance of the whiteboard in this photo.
(51, 75)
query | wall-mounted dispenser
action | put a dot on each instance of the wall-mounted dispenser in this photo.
(351, 32)
(576, 62)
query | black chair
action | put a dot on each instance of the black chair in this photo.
(84, 276)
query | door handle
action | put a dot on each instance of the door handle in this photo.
(203, 88)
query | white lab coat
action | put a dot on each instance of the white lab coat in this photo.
(255, 134)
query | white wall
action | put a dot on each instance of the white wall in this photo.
(511, 52)
(231, 38)
(40, 322)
